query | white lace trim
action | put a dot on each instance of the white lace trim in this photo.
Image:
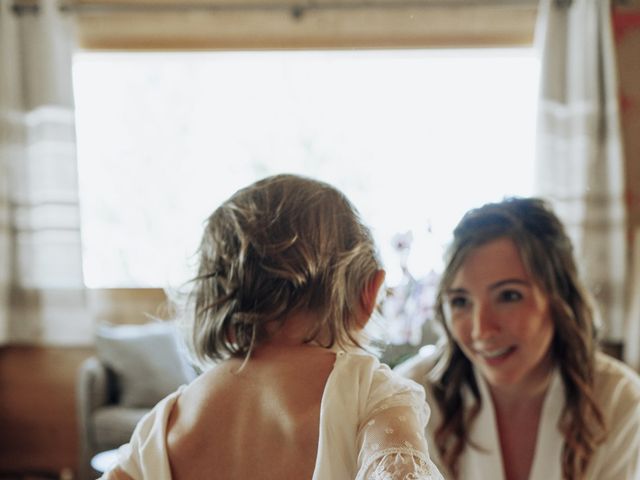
(398, 463)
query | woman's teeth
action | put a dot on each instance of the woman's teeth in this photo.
(495, 353)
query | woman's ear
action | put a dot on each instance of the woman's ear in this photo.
(370, 294)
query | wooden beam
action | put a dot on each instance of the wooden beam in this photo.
(374, 27)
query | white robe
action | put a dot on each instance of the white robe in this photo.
(617, 391)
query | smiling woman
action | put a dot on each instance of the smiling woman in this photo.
(500, 319)
(522, 391)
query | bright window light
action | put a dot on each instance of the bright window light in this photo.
(414, 138)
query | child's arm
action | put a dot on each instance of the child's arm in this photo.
(391, 433)
(394, 446)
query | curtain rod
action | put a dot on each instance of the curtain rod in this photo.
(301, 6)
(32, 6)
(297, 9)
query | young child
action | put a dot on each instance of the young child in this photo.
(287, 280)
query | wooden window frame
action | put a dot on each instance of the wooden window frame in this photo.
(323, 24)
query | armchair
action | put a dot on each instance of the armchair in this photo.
(103, 424)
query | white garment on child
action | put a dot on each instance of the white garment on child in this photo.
(372, 425)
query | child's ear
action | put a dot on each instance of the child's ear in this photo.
(370, 295)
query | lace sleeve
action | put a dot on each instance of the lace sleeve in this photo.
(393, 446)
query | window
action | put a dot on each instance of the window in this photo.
(413, 137)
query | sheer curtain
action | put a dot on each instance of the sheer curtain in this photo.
(41, 287)
(579, 156)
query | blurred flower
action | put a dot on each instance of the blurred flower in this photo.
(408, 305)
(402, 241)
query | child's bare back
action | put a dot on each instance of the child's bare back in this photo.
(258, 422)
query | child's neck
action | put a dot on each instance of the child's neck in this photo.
(294, 329)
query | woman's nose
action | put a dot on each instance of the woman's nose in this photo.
(484, 322)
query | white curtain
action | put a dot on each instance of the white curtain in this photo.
(41, 287)
(580, 162)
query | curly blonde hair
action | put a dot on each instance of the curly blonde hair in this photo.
(283, 244)
(547, 254)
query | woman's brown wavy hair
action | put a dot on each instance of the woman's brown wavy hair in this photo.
(283, 244)
(547, 254)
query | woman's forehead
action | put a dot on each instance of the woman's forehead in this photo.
(490, 262)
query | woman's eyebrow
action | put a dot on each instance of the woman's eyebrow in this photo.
(502, 283)
(457, 290)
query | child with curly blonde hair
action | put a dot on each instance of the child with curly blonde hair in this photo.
(288, 278)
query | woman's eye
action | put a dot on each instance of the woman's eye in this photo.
(510, 296)
(458, 302)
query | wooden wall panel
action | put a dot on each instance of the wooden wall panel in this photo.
(38, 428)
(627, 33)
(37, 408)
(126, 305)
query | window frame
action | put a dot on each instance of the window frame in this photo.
(287, 24)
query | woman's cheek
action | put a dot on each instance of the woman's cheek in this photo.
(461, 333)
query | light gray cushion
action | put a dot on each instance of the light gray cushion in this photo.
(148, 361)
(113, 426)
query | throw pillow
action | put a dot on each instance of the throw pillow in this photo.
(147, 360)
